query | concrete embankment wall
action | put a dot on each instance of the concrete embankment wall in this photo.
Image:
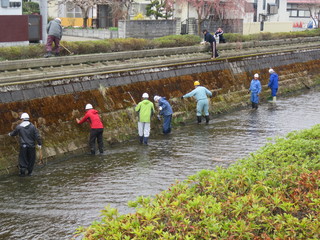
(54, 105)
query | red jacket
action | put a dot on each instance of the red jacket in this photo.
(93, 118)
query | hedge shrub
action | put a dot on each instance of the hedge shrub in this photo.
(272, 194)
(129, 44)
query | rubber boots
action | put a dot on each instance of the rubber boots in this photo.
(22, 172)
(140, 140)
(274, 99)
(252, 104)
(145, 140)
(207, 119)
(199, 119)
(48, 54)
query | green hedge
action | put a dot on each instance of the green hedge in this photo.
(273, 194)
(99, 46)
(236, 37)
(129, 44)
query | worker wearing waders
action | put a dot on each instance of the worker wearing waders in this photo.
(96, 132)
(145, 108)
(201, 94)
(255, 89)
(29, 135)
(165, 111)
(273, 84)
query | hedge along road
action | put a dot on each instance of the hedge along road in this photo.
(68, 193)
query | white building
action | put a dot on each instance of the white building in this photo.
(11, 7)
(303, 12)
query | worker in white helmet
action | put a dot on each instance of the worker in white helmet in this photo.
(145, 108)
(96, 132)
(255, 89)
(273, 84)
(29, 135)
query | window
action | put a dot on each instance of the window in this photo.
(293, 13)
(73, 11)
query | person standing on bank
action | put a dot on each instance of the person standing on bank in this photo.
(28, 135)
(255, 89)
(210, 39)
(219, 33)
(145, 108)
(96, 132)
(166, 111)
(201, 94)
(273, 84)
(54, 31)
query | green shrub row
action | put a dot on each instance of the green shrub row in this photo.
(128, 44)
(99, 46)
(236, 37)
(272, 194)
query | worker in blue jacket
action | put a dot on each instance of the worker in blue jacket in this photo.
(255, 89)
(165, 111)
(201, 94)
(273, 84)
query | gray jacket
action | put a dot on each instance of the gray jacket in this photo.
(28, 134)
(54, 28)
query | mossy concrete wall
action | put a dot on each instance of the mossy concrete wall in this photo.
(54, 105)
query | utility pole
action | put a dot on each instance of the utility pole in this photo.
(44, 14)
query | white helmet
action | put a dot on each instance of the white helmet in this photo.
(256, 75)
(88, 106)
(58, 19)
(271, 70)
(145, 95)
(156, 98)
(25, 116)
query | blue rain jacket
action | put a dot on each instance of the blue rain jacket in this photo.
(255, 88)
(199, 93)
(166, 108)
(273, 82)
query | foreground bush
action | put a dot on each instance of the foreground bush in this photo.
(273, 194)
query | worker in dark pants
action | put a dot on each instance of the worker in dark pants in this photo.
(29, 135)
(165, 111)
(96, 132)
(210, 39)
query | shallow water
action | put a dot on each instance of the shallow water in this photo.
(71, 192)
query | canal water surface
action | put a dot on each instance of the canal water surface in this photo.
(71, 191)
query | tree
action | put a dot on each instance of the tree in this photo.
(159, 9)
(219, 9)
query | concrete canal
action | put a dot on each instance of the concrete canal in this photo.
(70, 192)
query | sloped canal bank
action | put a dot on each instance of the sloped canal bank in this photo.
(71, 192)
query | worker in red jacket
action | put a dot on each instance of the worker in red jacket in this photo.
(96, 131)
